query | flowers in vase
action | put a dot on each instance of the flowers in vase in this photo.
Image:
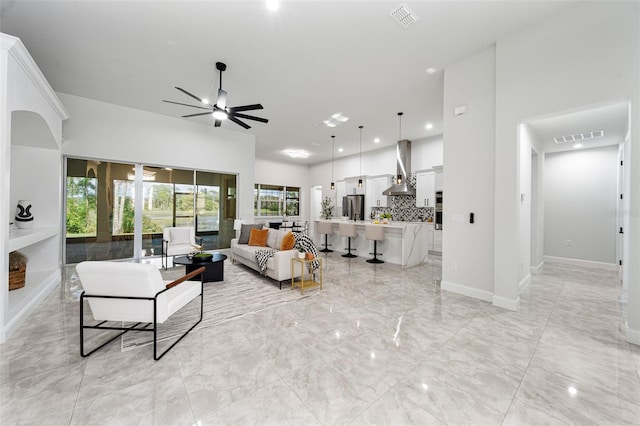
(327, 208)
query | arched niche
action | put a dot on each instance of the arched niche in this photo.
(30, 129)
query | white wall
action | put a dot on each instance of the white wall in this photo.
(467, 249)
(557, 67)
(580, 204)
(115, 133)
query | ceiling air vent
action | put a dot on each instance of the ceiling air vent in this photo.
(403, 16)
(579, 137)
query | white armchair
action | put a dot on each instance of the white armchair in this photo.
(178, 241)
(134, 293)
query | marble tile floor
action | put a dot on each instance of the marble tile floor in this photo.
(379, 345)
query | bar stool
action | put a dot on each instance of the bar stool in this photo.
(325, 228)
(348, 230)
(375, 233)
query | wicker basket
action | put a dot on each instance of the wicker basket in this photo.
(17, 278)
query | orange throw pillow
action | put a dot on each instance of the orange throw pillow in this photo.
(258, 237)
(288, 241)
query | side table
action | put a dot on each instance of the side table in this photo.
(307, 275)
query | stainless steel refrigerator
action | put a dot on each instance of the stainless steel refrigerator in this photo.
(353, 207)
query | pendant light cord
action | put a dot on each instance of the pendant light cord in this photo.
(333, 140)
(360, 127)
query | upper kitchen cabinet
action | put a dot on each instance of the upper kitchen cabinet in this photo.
(378, 185)
(31, 117)
(439, 175)
(352, 188)
(425, 188)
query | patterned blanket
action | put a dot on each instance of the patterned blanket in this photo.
(302, 241)
(262, 256)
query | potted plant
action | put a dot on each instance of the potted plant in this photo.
(199, 255)
(301, 253)
(17, 270)
(386, 217)
(327, 208)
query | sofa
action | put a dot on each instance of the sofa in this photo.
(278, 266)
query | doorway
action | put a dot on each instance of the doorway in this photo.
(576, 183)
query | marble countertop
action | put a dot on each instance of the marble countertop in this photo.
(392, 224)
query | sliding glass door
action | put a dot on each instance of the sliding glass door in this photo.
(101, 208)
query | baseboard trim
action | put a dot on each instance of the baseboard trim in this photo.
(504, 303)
(524, 283)
(632, 336)
(580, 262)
(467, 291)
(48, 285)
(536, 269)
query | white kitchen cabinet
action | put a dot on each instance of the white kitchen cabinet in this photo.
(351, 186)
(439, 175)
(379, 184)
(32, 138)
(425, 189)
(437, 241)
(430, 236)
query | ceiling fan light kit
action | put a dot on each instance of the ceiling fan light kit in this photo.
(219, 110)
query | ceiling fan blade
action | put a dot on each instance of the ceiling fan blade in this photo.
(180, 103)
(190, 94)
(239, 123)
(222, 99)
(245, 107)
(217, 123)
(197, 114)
(250, 117)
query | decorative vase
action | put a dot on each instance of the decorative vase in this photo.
(24, 218)
(308, 256)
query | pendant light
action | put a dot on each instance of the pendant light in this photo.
(360, 180)
(333, 140)
(399, 177)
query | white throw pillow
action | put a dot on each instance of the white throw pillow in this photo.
(180, 236)
(272, 239)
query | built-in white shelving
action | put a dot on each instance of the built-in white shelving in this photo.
(20, 238)
(31, 138)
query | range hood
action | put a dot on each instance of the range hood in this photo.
(403, 157)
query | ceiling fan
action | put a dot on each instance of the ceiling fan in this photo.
(219, 110)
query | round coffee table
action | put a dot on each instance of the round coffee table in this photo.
(214, 270)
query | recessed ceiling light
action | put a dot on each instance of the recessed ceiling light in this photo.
(315, 144)
(376, 140)
(429, 126)
(273, 5)
(431, 70)
(296, 153)
(339, 117)
(578, 145)
(334, 120)
(340, 149)
(205, 101)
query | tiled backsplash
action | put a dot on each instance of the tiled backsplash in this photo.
(403, 207)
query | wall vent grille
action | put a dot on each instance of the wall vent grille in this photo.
(403, 16)
(579, 136)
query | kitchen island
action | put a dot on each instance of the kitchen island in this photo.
(406, 243)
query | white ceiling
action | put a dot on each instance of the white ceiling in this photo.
(612, 119)
(303, 63)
